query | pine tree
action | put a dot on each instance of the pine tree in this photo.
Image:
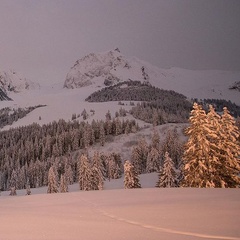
(155, 139)
(68, 174)
(139, 156)
(131, 179)
(84, 174)
(230, 151)
(97, 172)
(102, 134)
(213, 136)
(168, 175)
(52, 182)
(153, 161)
(13, 180)
(197, 167)
(63, 184)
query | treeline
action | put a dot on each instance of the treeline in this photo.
(36, 148)
(133, 91)
(219, 104)
(162, 111)
(60, 172)
(8, 116)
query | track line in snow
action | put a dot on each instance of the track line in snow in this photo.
(167, 230)
(156, 228)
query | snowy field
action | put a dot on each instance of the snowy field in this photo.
(117, 214)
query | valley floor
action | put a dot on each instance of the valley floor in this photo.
(117, 214)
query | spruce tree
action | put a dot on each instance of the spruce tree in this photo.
(168, 175)
(139, 156)
(52, 182)
(197, 148)
(97, 172)
(63, 184)
(84, 174)
(230, 151)
(131, 179)
(153, 161)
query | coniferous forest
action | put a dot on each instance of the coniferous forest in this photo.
(48, 155)
(27, 153)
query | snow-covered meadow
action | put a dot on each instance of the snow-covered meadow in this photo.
(147, 213)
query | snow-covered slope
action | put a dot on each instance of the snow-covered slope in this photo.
(10, 81)
(110, 67)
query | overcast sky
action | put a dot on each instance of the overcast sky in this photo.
(43, 38)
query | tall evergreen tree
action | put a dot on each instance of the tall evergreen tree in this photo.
(52, 182)
(97, 172)
(131, 179)
(139, 156)
(84, 174)
(168, 175)
(197, 167)
(230, 151)
(153, 160)
(63, 184)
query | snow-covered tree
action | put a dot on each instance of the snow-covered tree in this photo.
(139, 156)
(229, 151)
(153, 160)
(198, 170)
(102, 134)
(131, 179)
(68, 174)
(84, 173)
(13, 179)
(168, 175)
(114, 171)
(63, 184)
(52, 182)
(155, 139)
(173, 146)
(97, 172)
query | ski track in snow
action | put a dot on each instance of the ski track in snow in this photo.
(155, 228)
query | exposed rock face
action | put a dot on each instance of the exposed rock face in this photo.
(235, 86)
(3, 96)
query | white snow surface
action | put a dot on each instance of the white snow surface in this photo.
(115, 213)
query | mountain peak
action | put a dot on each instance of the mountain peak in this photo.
(10, 81)
(104, 68)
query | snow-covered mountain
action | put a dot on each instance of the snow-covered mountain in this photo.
(10, 81)
(106, 68)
